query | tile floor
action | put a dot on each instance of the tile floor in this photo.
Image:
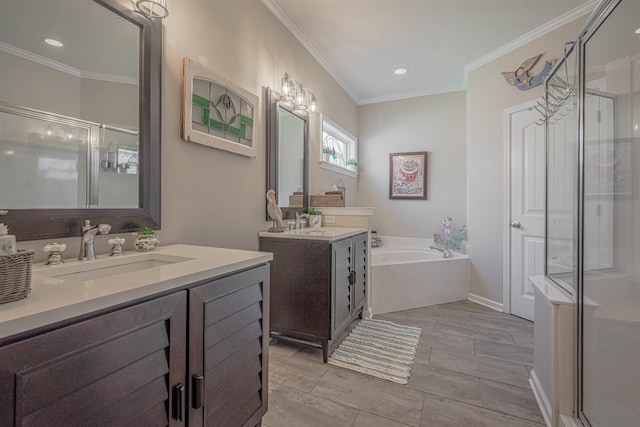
(471, 369)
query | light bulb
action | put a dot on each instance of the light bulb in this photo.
(301, 99)
(314, 105)
(153, 8)
(52, 42)
(287, 88)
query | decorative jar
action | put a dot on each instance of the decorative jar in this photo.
(146, 240)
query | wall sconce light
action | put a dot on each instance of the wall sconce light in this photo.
(153, 8)
(302, 100)
(287, 92)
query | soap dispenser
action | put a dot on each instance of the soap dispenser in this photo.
(7, 241)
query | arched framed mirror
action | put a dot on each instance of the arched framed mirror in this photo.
(287, 156)
(79, 117)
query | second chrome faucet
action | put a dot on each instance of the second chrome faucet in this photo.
(87, 251)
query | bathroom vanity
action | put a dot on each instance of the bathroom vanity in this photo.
(318, 282)
(177, 336)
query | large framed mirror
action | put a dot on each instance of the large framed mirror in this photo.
(287, 156)
(79, 117)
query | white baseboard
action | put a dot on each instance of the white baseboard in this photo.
(486, 302)
(541, 398)
(567, 421)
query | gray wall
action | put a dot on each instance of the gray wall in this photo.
(213, 197)
(487, 97)
(430, 123)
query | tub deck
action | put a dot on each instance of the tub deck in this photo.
(406, 274)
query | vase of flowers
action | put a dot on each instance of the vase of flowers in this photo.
(352, 164)
(146, 240)
(315, 219)
(326, 153)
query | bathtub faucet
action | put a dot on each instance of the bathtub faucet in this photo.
(446, 253)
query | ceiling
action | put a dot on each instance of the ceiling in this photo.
(360, 42)
(97, 42)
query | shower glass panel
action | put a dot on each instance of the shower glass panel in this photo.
(44, 161)
(609, 387)
(48, 161)
(562, 172)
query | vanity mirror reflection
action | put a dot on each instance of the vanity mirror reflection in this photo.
(79, 116)
(287, 155)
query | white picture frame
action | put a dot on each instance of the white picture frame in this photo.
(216, 112)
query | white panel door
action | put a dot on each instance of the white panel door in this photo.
(527, 208)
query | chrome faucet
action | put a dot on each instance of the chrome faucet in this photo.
(300, 220)
(87, 251)
(446, 253)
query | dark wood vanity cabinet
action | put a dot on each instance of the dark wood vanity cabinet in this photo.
(317, 287)
(349, 261)
(130, 367)
(116, 369)
(228, 350)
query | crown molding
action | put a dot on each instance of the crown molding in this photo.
(311, 47)
(408, 95)
(30, 56)
(554, 24)
(50, 63)
(114, 78)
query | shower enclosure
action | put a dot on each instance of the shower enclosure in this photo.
(593, 207)
(49, 161)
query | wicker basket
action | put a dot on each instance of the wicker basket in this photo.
(295, 201)
(15, 276)
(327, 200)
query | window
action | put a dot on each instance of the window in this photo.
(339, 149)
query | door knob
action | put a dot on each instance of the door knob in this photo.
(516, 224)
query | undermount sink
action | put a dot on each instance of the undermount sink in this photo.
(80, 271)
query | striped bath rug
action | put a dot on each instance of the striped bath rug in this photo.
(379, 348)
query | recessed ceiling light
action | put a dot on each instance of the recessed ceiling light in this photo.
(638, 31)
(52, 42)
(400, 71)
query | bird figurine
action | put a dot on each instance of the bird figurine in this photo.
(274, 211)
(521, 79)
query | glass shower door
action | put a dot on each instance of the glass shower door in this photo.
(610, 287)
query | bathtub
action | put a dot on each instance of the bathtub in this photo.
(406, 274)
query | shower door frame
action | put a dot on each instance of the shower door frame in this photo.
(597, 18)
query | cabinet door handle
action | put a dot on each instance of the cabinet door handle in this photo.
(178, 401)
(352, 278)
(198, 391)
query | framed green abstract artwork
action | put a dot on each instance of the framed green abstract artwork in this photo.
(216, 112)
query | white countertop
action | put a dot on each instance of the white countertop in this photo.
(55, 299)
(329, 234)
(550, 291)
